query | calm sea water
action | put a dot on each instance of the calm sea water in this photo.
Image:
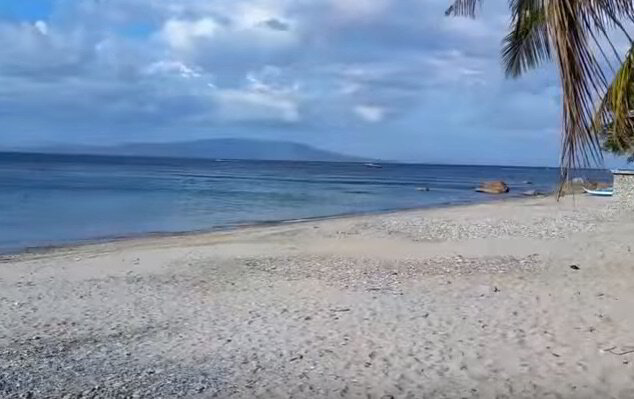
(58, 199)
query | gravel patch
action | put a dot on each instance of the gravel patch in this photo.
(444, 229)
(102, 338)
(372, 273)
(96, 367)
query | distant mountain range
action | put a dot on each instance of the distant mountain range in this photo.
(208, 149)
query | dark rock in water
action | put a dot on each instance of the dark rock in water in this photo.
(493, 187)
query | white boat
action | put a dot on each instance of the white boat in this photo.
(604, 192)
(373, 165)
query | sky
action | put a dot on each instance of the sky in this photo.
(390, 79)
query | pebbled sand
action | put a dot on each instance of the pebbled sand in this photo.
(467, 302)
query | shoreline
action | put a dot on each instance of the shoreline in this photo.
(517, 299)
(43, 250)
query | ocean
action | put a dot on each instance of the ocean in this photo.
(50, 200)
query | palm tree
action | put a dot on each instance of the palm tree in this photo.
(578, 35)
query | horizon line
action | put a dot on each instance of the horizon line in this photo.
(384, 162)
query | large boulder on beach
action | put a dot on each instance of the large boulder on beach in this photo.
(493, 187)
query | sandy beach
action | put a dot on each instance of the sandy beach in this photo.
(516, 299)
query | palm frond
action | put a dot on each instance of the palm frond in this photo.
(607, 13)
(463, 8)
(620, 93)
(575, 26)
(570, 31)
(527, 45)
(613, 119)
(582, 81)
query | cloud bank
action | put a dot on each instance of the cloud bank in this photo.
(388, 78)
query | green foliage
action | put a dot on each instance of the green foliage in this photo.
(614, 119)
(577, 35)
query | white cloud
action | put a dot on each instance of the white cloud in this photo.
(348, 87)
(475, 28)
(270, 79)
(247, 105)
(454, 67)
(323, 66)
(260, 99)
(245, 26)
(359, 9)
(247, 15)
(183, 34)
(37, 48)
(41, 27)
(370, 113)
(169, 67)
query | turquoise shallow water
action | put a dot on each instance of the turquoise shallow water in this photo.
(60, 199)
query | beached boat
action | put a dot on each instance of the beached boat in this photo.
(604, 192)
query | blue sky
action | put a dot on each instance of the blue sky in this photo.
(392, 79)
